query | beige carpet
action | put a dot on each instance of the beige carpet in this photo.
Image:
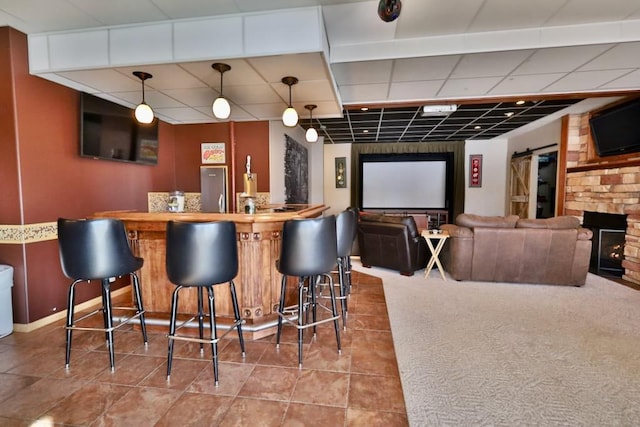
(497, 354)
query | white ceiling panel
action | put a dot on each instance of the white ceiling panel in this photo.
(525, 84)
(624, 55)
(355, 23)
(589, 11)
(579, 81)
(632, 79)
(495, 15)
(429, 68)
(110, 12)
(560, 59)
(362, 72)
(304, 66)
(468, 88)
(415, 91)
(489, 64)
(103, 80)
(357, 94)
(199, 97)
(435, 17)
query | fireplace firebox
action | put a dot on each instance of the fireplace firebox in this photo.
(607, 251)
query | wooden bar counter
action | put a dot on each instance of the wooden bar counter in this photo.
(257, 283)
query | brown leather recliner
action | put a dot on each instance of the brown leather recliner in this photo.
(391, 242)
(510, 249)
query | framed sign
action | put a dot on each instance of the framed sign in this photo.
(341, 172)
(475, 170)
(212, 152)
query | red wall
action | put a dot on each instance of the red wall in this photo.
(43, 177)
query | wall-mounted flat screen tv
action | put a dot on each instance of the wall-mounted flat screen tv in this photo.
(110, 131)
(617, 130)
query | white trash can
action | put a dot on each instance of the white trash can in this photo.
(6, 312)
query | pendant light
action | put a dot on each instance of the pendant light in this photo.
(312, 134)
(143, 113)
(221, 108)
(290, 115)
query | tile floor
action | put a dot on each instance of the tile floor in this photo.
(360, 387)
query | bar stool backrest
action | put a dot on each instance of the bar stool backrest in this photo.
(309, 246)
(95, 249)
(201, 253)
(346, 223)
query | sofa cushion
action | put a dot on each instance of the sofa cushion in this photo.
(472, 221)
(556, 223)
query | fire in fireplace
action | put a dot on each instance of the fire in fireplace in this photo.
(607, 251)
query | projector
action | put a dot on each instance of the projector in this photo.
(438, 110)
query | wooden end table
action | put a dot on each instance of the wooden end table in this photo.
(435, 251)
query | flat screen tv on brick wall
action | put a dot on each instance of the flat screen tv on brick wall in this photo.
(616, 130)
(109, 131)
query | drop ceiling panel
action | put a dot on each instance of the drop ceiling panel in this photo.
(631, 79)
(104, 80)
(344, 27)
(415, 91)
(583, 80)
(489, 64)
(427, 68)
(366, 72)
(589, 11)
(110, 12)
(435, 17)
(624, 55)
(356, 94)
(525, 84)
(166, 76)
(190, 8)
(560, 59)
(466, 88)
(304, 66)
(198, 97)
(505, 14)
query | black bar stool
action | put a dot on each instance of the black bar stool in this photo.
(346, 223)
(309, 250)
(201, 255)
(97, 249)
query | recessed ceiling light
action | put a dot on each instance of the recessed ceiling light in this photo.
(477, 127)
(520, 102)
(509, 114)
(364, 108)
(365, 131)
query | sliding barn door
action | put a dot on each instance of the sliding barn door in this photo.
(520, 187)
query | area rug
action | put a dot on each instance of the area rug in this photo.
(505, 354)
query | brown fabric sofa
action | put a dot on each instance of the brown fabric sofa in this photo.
(391, 242)
(510, 249)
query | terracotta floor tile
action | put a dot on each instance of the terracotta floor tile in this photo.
(10, 384)
(249, 412)
(270, 382)
(141, 406)
(299, 414)
(84, 365)
(34, 400)
(376, 393)
(375, 361)
(86, 404)
(322, 388)
(231, 378)
(195, 409)
(372, 322)
(131, 369)
(183, 372)
(361, 418)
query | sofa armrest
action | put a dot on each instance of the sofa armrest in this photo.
(458, 251)
(585, 234)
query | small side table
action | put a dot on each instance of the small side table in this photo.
(435, 251)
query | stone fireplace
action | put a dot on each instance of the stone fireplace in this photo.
(607, 185)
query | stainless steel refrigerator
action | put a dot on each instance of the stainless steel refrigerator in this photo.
(213, 188)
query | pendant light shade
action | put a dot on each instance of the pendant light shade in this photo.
(311, 135)
(221, 107)
(143, 113)
(290, 115)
